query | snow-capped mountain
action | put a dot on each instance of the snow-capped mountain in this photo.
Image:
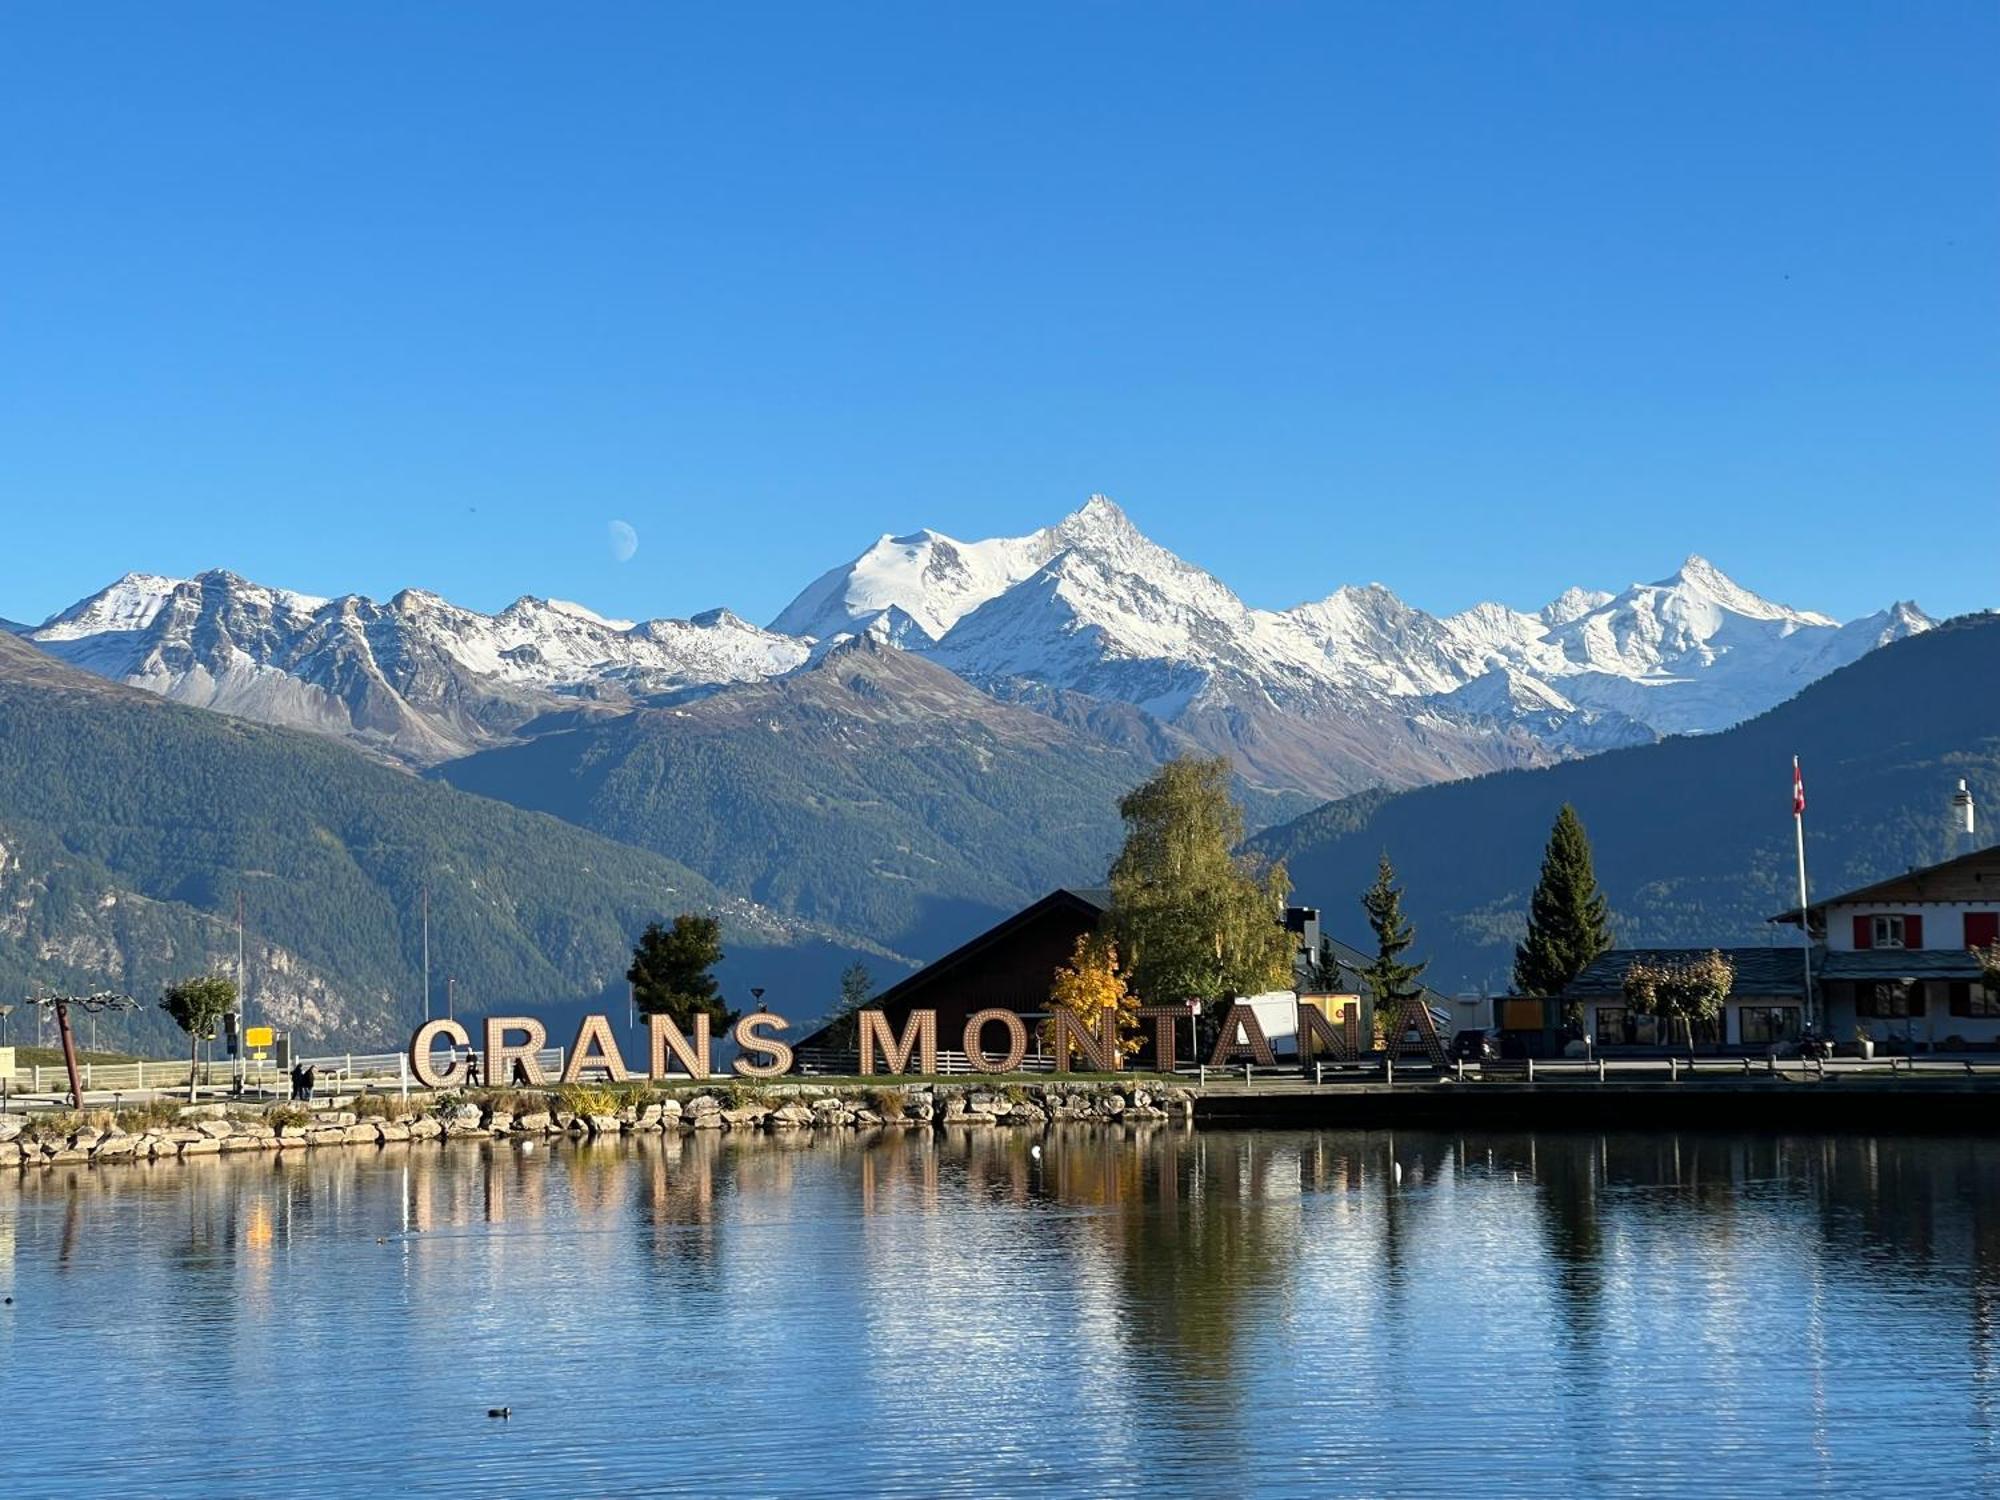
(1348, 691)
(1107, 612)
(417, 677)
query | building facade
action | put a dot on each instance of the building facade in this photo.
(1897, 957)
(1765, 1008)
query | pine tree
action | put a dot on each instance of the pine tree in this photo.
(1567, 923)
(671, 975)
(857, 987)
(1195, 920)
(1390, 980)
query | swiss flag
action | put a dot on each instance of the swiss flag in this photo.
(1798, 790)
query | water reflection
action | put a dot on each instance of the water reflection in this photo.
(908, 1311)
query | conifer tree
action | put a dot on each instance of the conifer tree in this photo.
(670, 972)
(1390, 979)
(1567, 922)
(857, 987)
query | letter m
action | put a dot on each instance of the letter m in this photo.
(919, 1036)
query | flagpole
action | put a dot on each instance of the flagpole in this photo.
(1805, 925)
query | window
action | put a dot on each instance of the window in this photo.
(1887, 932)
(1610, 1025)
(1982, 928)
(1761, 1025)
(1975, 1000)
(1888, 1001)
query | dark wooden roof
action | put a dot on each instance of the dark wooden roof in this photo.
(1089, 903)
(1759, 971)
(1899, 963)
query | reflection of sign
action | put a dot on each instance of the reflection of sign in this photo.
(257, 1036)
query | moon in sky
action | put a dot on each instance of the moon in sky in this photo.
(624, 541)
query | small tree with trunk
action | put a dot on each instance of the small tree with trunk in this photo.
(198, 1006)
(1681, 990)
(1192, 918)
(1092, 985)
(671, 972)
(1390, 979)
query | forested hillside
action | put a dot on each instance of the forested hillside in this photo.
(128, 827)
(1693, 835)
(874, 791)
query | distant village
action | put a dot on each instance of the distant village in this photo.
(1903, 966)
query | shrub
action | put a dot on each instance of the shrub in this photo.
(516, 1101)
(888, 1103)
(587, 1099)
(278, 1116)
(139, 1118)
(56, 1124)
(381, 1107)
(748, 1096)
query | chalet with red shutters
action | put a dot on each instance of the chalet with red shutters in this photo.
(1898, 956)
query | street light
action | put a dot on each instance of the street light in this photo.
(5, 1012)
(757, 994)
(93, 1003)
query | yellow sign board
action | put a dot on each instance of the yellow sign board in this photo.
(257, 1036)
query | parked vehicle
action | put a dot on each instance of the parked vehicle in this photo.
(1475, 1045)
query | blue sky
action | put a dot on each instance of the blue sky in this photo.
(1476, 300)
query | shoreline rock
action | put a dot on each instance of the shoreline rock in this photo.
(215, 1129)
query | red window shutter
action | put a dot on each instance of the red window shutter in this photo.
(1913, 931)
(1864, 932)
(1982, 928)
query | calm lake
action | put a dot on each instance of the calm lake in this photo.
(1177, 1312)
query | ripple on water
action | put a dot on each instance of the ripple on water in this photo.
(1213, 1313)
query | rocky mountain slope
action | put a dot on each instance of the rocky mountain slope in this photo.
(129, 826)
(1693, 836)
(1354, 690)
(417, 678)
(871, 790)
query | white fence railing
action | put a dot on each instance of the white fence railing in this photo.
(337, 1071)
(831, 1062)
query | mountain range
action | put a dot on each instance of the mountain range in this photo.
(1352, 691)
(938, 731)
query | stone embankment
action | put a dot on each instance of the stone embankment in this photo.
(212, 1129)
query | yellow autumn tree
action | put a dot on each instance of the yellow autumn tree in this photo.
(1092, 984)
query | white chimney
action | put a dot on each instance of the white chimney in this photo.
(1962, 818)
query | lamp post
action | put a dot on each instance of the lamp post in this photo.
(5, 1012)
(93, 1003)
(757, 994)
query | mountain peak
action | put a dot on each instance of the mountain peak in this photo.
(1098, 516)
(1697, 571)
